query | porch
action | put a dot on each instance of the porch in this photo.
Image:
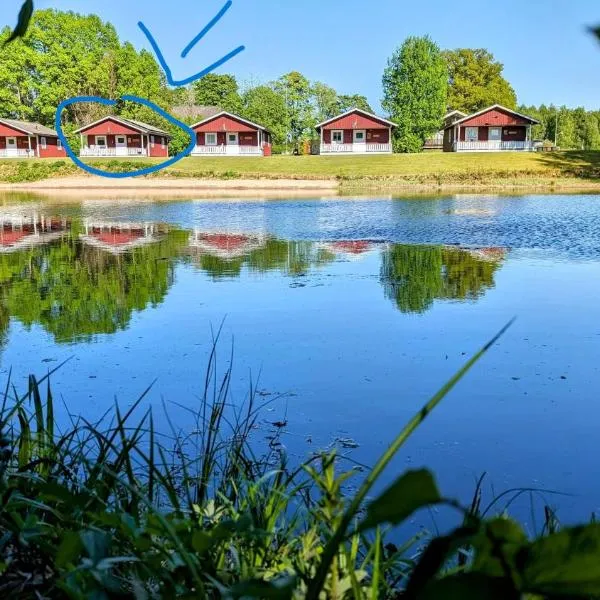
(352, 148)
(227, 150)
(18, 146)
(105, 151)
(495, 146)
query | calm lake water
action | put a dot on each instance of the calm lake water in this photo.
(355, 311)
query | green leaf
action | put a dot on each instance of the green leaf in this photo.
(23, 21)
(564, 563)
(96, 544)
(469, 586)
(281, 589)
(497, 548)
(201, 541)
(410, 492)
(69, 549)
(435, 557)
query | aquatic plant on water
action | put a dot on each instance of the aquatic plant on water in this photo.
(115, 509)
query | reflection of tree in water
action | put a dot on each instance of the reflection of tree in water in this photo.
(415, 276)
(290, 258)
(75, 291)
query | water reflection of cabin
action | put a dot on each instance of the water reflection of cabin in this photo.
(18, 232)
(118, 238)
(351, 249)
(227, 246)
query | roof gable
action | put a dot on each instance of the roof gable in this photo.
(222, 118)
(364, 118)
(134, 126)
(496, 115)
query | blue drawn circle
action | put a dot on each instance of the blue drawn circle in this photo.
(107, 102)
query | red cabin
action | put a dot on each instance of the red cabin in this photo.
(24, 139)
(116, 136)
(495, 128)
(356, 132)
(226, 134)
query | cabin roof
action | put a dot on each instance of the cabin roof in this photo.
(494, 107)
(356, 110)
(225, 113)
(138, 125)
(29, 127)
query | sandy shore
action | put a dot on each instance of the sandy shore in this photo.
(172, 184)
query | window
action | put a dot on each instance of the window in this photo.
(337, 136)
(59, 144)
(359, 136)
(162, 142)
(43, 142)
(472, 134)
(11, 142)
(100, 140)
(152, 141)
(211, 139)
(495, 134)
(232, 138)
(120, 140)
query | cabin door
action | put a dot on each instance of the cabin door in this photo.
(11, 146)
(233, 143)
(101, 145)
(360, 139)
(121, 145)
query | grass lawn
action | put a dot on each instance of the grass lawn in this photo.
(419, 167)
(425, 168)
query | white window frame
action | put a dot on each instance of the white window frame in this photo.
(495, 139)
(121, 137)
(43, 142)
(58, 143)
(97, 139)
(210, 139)
(14, 141)
(471, 138)
(333, 134)
(236, 137)
(162, 142)
(152, 141)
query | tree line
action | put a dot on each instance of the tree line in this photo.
(65, 54)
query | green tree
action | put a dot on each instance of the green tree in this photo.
(65, 54)
(476, 81)
(17, 83)
(265, 106)
(415, 91)
(326, 101)
(75, 291)
(296, 90)
(71, 53)
(218, 90)
(345, 103)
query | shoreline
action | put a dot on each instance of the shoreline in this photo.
(179, 187)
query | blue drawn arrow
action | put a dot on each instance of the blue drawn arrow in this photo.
(186, 50)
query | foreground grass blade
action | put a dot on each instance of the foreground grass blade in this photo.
(316, 585)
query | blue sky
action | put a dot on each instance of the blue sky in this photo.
(547, 54)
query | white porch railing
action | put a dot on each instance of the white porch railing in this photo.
(493, 146)
(228, 150)
(104, 151)
(355, 148)
(17, 153)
